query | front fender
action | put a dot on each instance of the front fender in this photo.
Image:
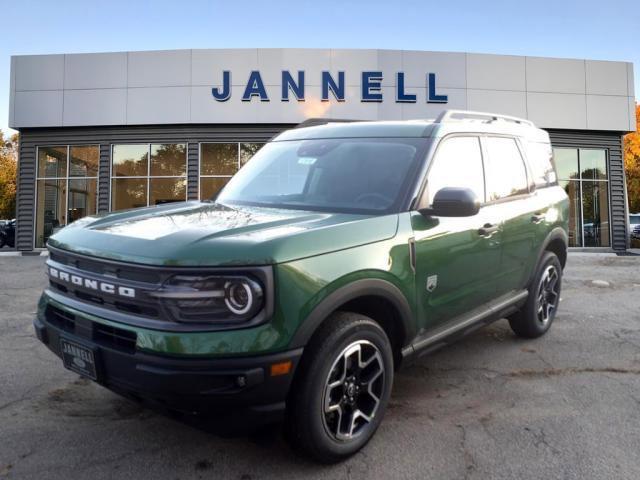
(310, 289)
(351, 291)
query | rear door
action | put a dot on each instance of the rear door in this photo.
(509, 192)
(457, 259)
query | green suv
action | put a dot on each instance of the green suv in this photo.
(338, 253)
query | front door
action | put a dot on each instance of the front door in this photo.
(457, 259)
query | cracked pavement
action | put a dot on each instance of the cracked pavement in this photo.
(491, 406)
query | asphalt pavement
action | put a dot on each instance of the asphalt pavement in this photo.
(489, 407)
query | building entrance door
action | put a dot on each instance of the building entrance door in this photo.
(583, 173)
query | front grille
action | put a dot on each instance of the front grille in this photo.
(125, 272)
(142, 279)
(103, 335)
(143, 308)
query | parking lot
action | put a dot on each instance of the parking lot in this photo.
(492, 406)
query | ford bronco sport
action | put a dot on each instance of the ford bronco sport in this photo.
(339, 252)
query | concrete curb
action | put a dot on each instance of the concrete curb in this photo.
(43, 253)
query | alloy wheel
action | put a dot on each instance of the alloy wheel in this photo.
(548, 295)
(353, 390)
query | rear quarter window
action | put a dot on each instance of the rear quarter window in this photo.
(540, 159)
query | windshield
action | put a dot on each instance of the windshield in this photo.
(351, 175)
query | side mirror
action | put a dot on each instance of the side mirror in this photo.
(453, 202)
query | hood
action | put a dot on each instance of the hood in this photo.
(205, 233)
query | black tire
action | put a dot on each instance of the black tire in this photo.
(311, 430)
(2, 241)
(536, 316)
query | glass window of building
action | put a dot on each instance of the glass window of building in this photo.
(148, 174)
(583, 174)
(66, 187)
(219, 162)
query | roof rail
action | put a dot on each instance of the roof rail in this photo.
(312, 122)
(487, 117)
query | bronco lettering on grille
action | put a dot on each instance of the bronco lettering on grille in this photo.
(96, 285)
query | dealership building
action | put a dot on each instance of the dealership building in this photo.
(103, 132)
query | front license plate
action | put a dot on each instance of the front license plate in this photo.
(78, 358)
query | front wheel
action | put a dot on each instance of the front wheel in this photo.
(536, 316)
(342, 389)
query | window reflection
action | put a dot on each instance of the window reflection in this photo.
(218, 158)
(128, 193)
(84, 161)
(588, 193)
(210, 186)
(157, 175)
(72, 195)
(593, 164)
(168, 159)
(219, 162)
(167, 190)
(52, 200)
(52, 162)
(595, 211)
(82, 198)
(130, 160)
(575, 228)
(248, 150)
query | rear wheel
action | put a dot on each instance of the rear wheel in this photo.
(2, 241)
(536, 316)
(341, 393)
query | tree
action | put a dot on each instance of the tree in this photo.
(8, 175)
(632, 165)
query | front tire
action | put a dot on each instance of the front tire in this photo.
(342, 389)
(536, 316)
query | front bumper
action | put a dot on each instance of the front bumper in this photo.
(233, 387)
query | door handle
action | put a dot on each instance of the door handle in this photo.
(488, 229)
(538, 217)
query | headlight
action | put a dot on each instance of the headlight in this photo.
(211, 299)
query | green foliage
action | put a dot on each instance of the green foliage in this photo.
(632, 165)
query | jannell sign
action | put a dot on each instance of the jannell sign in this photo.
(371, 88)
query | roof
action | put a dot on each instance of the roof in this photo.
(404, 129)
(450, 121)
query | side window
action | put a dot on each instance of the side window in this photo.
(458, 163)
(506, 173)
(540, 159)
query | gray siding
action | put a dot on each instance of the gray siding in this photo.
(105, 136)
(612, 142)
(104, 172)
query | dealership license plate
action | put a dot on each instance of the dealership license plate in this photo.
(78, 358)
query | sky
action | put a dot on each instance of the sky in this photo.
(560, 28)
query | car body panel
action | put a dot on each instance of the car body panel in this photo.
(209, 234)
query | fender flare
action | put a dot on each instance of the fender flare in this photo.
(356, 289)
(558, 233)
